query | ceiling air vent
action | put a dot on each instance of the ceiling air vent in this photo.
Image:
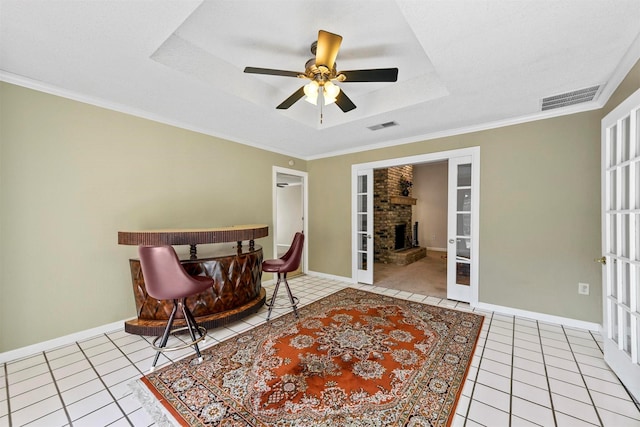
(569, 98)
(383, 125)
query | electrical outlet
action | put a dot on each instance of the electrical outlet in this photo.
(583, 288)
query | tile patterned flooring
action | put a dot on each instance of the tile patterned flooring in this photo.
(524, 373)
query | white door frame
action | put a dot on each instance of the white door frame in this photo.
(305, 209)
(474, 152)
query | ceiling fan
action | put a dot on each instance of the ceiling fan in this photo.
(322, 73)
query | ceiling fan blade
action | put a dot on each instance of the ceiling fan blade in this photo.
(344, 102)
(292, 99)
(271, 72)
(327, 48)
(374, 75)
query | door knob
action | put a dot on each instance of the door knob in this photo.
(452, 241)
(368, 236)
(602, 260)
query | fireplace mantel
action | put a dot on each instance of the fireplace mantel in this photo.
(402, 200)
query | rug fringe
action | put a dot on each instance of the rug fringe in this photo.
(151, 405)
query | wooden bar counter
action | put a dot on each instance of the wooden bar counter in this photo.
(235, 269)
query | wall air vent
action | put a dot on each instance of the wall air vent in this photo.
(570, 98)
(382, 125)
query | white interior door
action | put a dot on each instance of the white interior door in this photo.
(460, 243)
(290, 219)
(364, 226)
(621, 241)
(290, 204)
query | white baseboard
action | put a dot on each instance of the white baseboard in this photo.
(331, 277)
(542, 317)
(547, 318)
(40, 347)
(313, 274)
(30, 350)
(429, 248)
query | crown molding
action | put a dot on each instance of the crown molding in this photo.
(99, 102)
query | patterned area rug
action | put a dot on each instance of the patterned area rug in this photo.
(354, 358)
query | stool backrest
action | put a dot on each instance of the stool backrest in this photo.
(293, 256)
(164, 276)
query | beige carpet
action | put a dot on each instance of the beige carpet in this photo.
(427, 276)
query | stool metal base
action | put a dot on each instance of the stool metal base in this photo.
(201, 331)
(282, 277)
(192, 327)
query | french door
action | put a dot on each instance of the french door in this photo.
(460, 242)
(463, 218)
(621, 241)
(364, 226)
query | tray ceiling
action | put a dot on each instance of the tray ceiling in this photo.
(463, 65)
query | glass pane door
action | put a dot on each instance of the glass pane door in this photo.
(621, 241)
(459, 248)
(364, 226)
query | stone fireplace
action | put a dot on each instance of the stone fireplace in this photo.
(393, 218)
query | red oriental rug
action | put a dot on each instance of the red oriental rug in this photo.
(354, 358)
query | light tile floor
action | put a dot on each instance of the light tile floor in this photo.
(523, 373)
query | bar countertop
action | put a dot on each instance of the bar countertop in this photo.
(193, 236)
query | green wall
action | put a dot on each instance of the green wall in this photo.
(72, 175)
(539, 212)
(539, 209)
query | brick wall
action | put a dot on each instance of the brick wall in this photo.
(386, 214)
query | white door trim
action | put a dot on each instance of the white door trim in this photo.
(474, 152)
(305, 210)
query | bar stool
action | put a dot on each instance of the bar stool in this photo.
(287, 263)
(166, 279)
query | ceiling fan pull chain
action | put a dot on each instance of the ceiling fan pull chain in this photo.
(321, 101)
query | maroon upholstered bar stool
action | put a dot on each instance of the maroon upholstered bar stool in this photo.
(289, 262)
(166, 279)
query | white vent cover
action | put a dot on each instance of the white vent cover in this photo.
(570, 98)
(383, 125)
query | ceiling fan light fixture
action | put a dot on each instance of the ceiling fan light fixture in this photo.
(331, 92)
(311, 92)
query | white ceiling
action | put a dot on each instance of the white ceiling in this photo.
(463, 65)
